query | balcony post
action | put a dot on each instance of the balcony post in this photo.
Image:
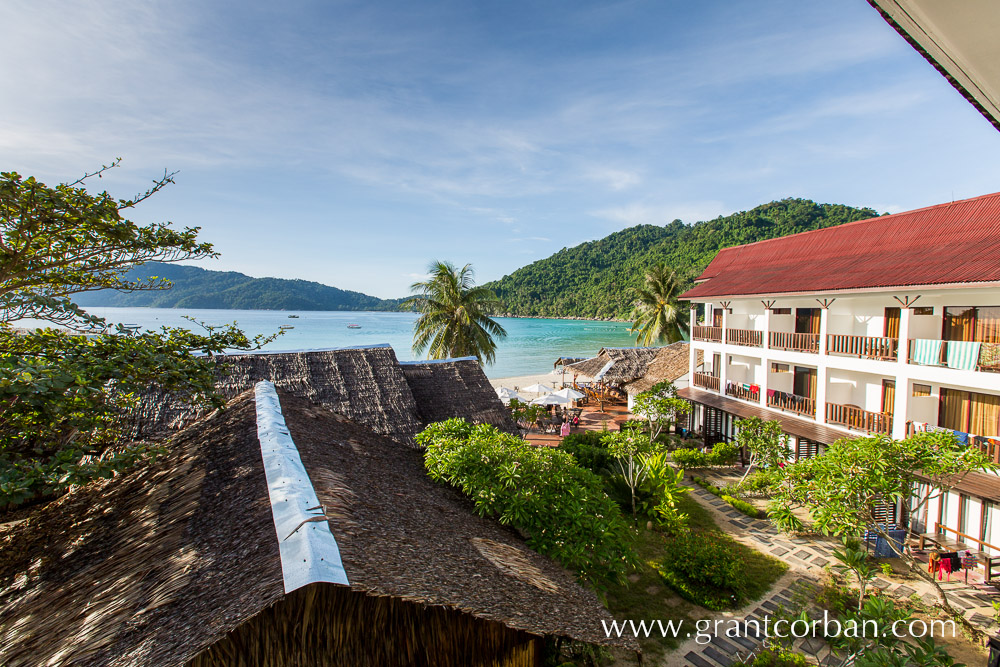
(765, 362)
(693, 353)
(824, 327)
(899, 409)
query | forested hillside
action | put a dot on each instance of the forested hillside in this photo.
(595, 279)
(194, 287)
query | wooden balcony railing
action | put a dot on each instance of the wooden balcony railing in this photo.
(867, 347)
(798, 342)
(707, 333)
(707, 381)
(747, 337)
(802, 405)
(858, 419)
(747, 392)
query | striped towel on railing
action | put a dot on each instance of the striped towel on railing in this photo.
(926, 352)
(963, 355)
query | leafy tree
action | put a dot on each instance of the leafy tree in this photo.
(660, 407)
(628, 447)
(455, 315)
(65, 397)
(766, 444)
(665, 490)
(855, 477)
(560, 507)
(659, 316)
(854, 559)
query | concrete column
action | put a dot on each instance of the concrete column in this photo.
(764, 360)
(724, 371)
(903, 389)
(692, 353)
(821, 367)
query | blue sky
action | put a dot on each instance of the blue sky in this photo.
(352, 142)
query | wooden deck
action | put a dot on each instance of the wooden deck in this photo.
(591, 419)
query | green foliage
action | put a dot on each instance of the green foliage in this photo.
(715, 571)
(778, 658)
(767, 445)
(589, 450)
(195, 287)
(759, 483)
(689, 458)
(65, 398)
(560, 507)
(742, 506)
(660, 317)
(627, 447)
(722, 454)
(854, 559)
(525, 414)
(454, 315)
(664, 488)
(660, 407)
(598, 278)
(708, 486)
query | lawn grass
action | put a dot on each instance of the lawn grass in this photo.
(648, 596)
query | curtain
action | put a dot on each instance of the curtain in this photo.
(959, 323)
(988, 324)
(984, 415)
(888, 396)
(891, 328)
(954, 410)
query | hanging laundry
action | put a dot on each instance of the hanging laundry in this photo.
(962, 437)
(989, 356)
(926, 352)
(962, 355)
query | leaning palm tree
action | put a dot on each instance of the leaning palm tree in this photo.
(659, 317)
(454, 315)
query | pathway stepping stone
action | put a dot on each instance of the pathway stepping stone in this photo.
(802, 554)
(904, 591)
(980, 619)
(721, 643)
(723, 660)
(779, 551)
(697, 660)
(769, 606)
(819, 560)
(881, 584)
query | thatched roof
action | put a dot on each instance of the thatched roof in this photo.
(566, 361)
(627, 363)
(153, 567)
(365, 384)
(455, 388)
(670, 363)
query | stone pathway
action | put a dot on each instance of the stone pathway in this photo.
(806, 559)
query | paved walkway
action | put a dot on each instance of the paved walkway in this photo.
(806, 559)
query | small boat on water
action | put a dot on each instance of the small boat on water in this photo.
(286, 327)
(353, 326)
(293, 317)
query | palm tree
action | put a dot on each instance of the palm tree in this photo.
(659, 318)
(454, 320)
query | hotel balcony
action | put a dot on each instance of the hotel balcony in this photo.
(710, 334)
(801, 405)
(746, 337)
(863, 347)
(956, 354)
(743, 391)
(795, 342)
(853, 417)
(706, 381)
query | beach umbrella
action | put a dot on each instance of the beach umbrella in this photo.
(507, 393)
(569, 393)
(550, 399)
(537, 389)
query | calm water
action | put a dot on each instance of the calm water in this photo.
(531, 346)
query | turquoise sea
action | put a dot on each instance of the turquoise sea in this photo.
(531, 345)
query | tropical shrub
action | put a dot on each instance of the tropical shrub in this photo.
(778, 658)
(703, 568)
(723, 454)
(560, 507)
(742, 506)
(665, 490)
(588, 450)
(689, 458)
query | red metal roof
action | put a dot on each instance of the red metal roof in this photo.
(958, 242)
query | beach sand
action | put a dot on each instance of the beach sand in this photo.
(520, 381)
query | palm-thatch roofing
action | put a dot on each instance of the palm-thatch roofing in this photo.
(155, 567)
(626, 364)
(448, 388)
(671, 362)
(365, 384)
(566, 361)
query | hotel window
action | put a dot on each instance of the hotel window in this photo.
(781, 311)
(969, 412)
(921, 390)
(780, 368)
(923, 310)
(969, 323)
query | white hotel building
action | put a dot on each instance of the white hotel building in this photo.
(886, 325)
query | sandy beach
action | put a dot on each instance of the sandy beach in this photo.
(552, 380)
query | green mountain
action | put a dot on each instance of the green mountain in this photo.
(595, 279)
(195, 287)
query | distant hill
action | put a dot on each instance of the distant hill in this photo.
(194, 287)
(595, 279)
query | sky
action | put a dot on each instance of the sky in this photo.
(352, 143)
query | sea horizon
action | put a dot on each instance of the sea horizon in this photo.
(531, 347)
